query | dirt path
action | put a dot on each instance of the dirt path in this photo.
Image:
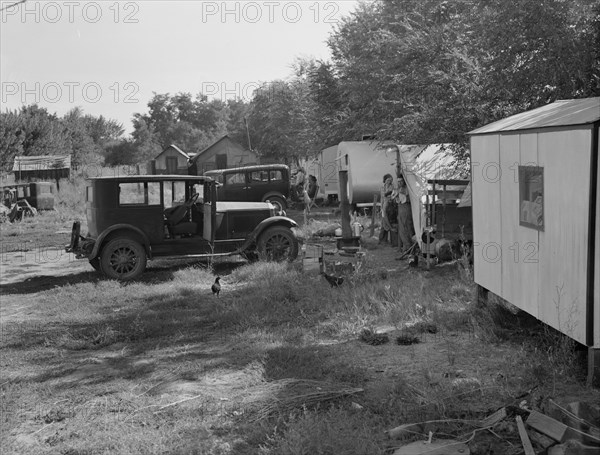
(24, 265)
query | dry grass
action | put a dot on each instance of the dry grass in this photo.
(272, 366)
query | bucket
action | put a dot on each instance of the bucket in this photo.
(357, 228)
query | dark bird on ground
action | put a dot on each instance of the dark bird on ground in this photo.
(216, 287)
(334, 281)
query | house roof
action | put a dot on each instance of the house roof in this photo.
(560, 113)
(41, 162)
(252, 168)
(195, 157)
(177, 149)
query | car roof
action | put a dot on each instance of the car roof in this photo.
(154, 178)
(257, 167)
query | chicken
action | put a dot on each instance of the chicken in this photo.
(216, 287)
(334, 281)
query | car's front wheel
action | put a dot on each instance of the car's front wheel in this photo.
(278, 243)
(123, 259)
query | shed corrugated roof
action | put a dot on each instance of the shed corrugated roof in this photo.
(41, 162)
(560, 113)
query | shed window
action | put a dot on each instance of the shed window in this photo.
(531, 197)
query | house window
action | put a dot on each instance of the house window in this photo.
(531, 197)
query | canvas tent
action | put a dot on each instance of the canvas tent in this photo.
(368, 161)
(420, 164)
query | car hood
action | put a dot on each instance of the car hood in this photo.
(230, 206)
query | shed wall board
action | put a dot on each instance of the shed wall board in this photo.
(529, 152)
(597, 259)
(487, 239)
(563, 246)
(519, 244)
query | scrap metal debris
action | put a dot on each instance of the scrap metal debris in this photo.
(563, 432)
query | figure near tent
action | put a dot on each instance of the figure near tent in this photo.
(405, 221)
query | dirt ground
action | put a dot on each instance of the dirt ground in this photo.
(444, 365)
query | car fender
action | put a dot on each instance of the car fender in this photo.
(264, 224)
(120, 227)
(271, 194)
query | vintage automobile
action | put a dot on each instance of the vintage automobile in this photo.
(135, 218)
(259, 183)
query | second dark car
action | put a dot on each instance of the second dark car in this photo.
(260, 183)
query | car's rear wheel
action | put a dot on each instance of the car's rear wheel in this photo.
(123, 259)
(278, 243)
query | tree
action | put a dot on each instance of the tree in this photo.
(430, 71)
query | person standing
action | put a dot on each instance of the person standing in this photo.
(405, 222)
(386, 193)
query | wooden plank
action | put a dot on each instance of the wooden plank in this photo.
(494, 418)
(547, 425)
(572, 420)
(527, 447)
(448, 447)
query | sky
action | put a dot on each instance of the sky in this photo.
(108, 57)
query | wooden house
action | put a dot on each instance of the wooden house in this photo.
(224, 153)
(171, 160)
(536, 226)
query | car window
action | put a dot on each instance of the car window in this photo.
(174, 193)
(132, 193)
(259, 176)
(139, 193)
(198, 189)
(275, 175)
(236, 178)
(154, 193)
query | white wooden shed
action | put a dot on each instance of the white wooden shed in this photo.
(536, 206)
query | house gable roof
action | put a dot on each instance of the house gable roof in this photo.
(560, 113)
(197, 156)
(177, 149)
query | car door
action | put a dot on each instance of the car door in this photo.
(234, 186)
(258, 185)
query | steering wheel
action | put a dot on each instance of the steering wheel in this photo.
(191, 201)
